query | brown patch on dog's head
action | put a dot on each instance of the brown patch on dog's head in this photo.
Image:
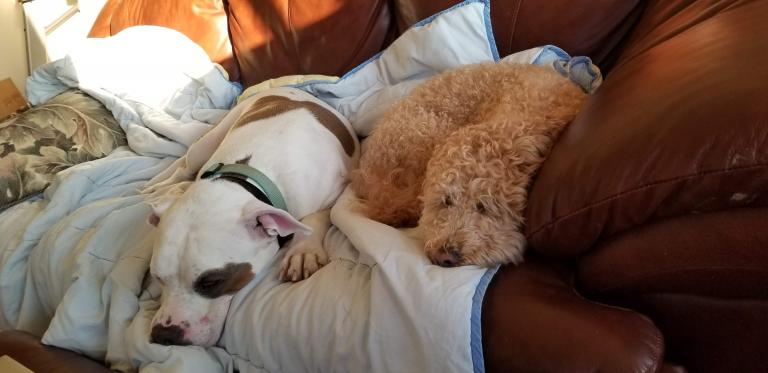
(214, 283)
(269, 106)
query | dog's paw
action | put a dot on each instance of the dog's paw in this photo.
(301, 261)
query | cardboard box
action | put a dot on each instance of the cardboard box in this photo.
(11, 101)
(8, 365)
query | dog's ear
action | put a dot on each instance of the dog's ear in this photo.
(273, 221)
(161, 199)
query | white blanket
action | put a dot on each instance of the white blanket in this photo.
(161, 86)
(76, 275)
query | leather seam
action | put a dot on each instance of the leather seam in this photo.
(514, 25)
(657, 338)
(368, 32)
(292, 31)
(656, 274)
(639, 188)
(111, 16)
(667, 293)
(657, 343)
(233, 22)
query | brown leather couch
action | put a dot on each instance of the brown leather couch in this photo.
(648, 224)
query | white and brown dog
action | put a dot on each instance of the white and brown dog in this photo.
(271, 168)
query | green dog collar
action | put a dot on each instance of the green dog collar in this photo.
(251, 179)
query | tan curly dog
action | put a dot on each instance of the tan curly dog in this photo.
(457, 155)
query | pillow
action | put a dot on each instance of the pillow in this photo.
(69, 129)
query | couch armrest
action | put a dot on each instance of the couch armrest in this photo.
(533, 321)
(27, 350)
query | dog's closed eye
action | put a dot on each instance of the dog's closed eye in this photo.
(447, 201)
(212, 284)
(480, 207)
(222, 281)
(207, 284)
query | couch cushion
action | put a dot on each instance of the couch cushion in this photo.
(581, 27)
(203, 21)
(273, 38)
(717, 254)
(678, 127)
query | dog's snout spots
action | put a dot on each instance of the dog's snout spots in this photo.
(168, 321)
(168, 335)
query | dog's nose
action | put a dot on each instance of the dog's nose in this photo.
(168, 335)
(446, 257)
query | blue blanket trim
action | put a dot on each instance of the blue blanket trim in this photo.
(550, 53)
(360, 66)
(489, 31)
(476, 332)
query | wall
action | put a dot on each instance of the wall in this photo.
(13, 42)
(13, 50)
(50, 46)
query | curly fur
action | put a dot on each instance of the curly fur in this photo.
(457, 155)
